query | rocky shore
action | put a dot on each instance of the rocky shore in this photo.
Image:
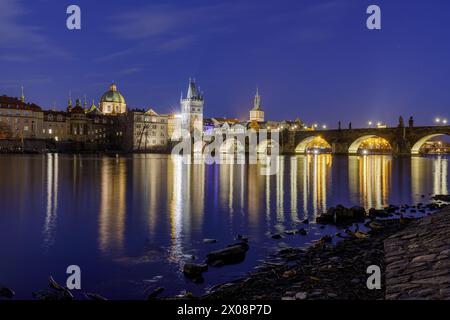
(339, 271)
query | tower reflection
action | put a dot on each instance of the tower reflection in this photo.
(370, 179)
(430, 173)
(185, 202)
(112, 205)
(52, 163)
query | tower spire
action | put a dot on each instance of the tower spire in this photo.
(257, 100)
(22, 96)
(70, 99)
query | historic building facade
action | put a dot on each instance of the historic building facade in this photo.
(145, 131)
(20, 120)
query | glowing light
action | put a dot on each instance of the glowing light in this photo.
(437, 120)
(365, 152)
(324, 126)
(444, 121)
(370, 123)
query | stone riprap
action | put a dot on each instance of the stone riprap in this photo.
(417, 260)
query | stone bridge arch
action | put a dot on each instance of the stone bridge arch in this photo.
(303, 144)
(355, 144)
(415, 149)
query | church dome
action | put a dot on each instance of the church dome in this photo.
(112, 95)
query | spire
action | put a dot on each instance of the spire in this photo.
(257, 100)
(192, 90)
(78, 102)
(22, 96)
(85, 102)
(70, 99)
(113, 87)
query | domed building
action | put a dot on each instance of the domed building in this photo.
(112, 101)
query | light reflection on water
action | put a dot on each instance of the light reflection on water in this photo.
(126, 220)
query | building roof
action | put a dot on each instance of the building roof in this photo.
(112, 95)
(193, 93)
(15, 103)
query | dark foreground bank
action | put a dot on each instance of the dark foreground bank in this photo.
(326, 271)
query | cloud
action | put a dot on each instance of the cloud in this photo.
(166, 28)
(27, 41)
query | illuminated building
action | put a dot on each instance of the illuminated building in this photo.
(112, 102)
(257, 114)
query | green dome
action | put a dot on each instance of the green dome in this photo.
(112, 95)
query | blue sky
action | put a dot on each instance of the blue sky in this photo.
(311, 59)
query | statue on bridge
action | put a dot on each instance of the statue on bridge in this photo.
(411, 122)
(350, 126)
(401, 122)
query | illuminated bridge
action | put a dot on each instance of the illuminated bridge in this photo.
(401, 140)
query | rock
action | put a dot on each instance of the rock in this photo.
(378, 213)
(302, 232)
(342, 215)
(290, 232)
(193, 270)
(306, 221)
(361, 235)
(155, 293)
(217, 264)
(326, 239)
(442, 197)
(6, 292)
(276, 236)
(376, 225)
(326, 217)
(301, 296)
(54, 285)
(240, 237)
(232, 254)
(94, 296)
(425, 258)
(289, 273)
(66, 294)
(53, 295)
(209, 241)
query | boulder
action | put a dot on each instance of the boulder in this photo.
(6, 292)
(442, 197)
(232, 254)
(378, 213)
(209, 241)
(155, 293)
(193, 270)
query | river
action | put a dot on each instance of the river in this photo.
(131, 222)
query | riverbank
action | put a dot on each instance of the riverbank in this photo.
(327, 271)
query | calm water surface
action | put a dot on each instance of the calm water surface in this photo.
(130, 223)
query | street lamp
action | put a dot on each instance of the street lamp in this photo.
(370, 123)
(324, 126)
(437, 120)
(444, 121)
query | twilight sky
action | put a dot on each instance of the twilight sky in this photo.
(310, 58)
